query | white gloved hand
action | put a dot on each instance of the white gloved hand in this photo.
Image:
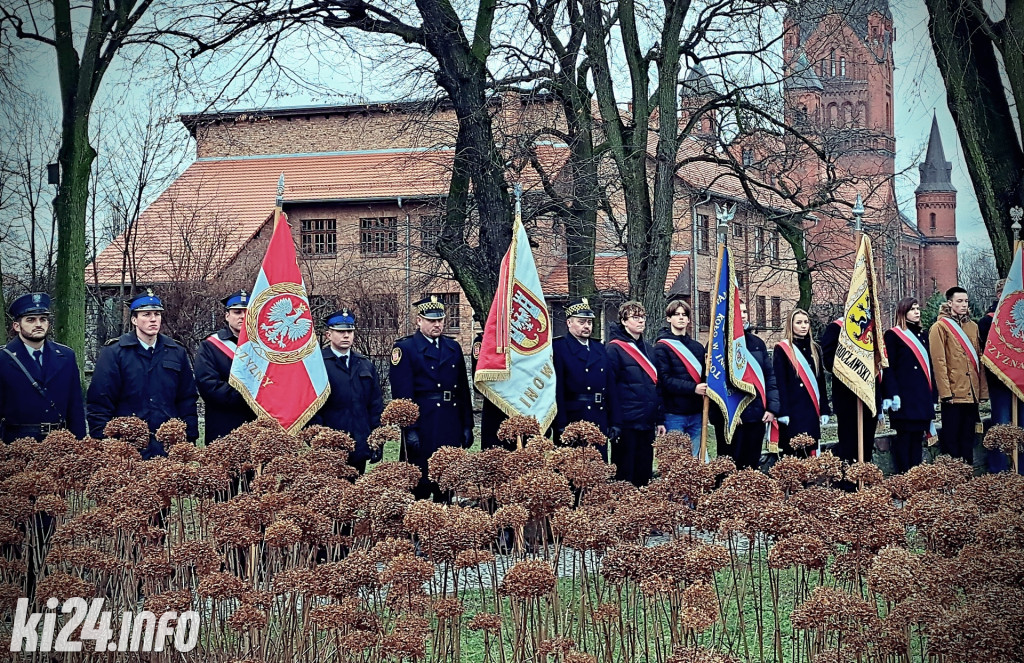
(783, 420)
(881, 416)
(886, 404)
(931, 428)
(895, 403)
(824, 420)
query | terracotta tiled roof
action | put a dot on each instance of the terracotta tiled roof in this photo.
(610, 274)
(200, 222)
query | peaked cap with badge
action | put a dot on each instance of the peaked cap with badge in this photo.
(147, 301)
(32, 303)
(342, 320)
(238, 299)
(430, 308)
(579, 308)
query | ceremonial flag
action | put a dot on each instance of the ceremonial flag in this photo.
(1004, 349)
(278, 367)
(860, 355)
(515, 369)
(731, 378)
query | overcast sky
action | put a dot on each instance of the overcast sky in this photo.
(918, 94)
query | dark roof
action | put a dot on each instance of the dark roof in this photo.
(801, 75)
(697, 83)
(935, 170)
(808, 14)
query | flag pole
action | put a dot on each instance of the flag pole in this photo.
(707, 362)
(858, 231)
(1015, 417)
(279, 201)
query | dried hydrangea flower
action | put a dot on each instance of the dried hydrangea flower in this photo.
(401, 412)
(528, 579)
(172, 432)
(541, 492)
(382, 435)
(518, 426)
(448, 609)
(791, 473)
(63, 586)
(132, 430)
(247, 616)
(1005, 438)
(699, 610)
(485, 621)
(580, 433)
(866, 473)
(804, 550)
(220, 586)
(802, 442)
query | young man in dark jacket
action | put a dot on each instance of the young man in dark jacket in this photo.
(636, 413)
(680, 363)
(144, 374)
(226, 408)
(748, 440)
(356, 402)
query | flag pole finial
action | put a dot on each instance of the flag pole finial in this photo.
(858, 214)
(517, 191)
(280, 191)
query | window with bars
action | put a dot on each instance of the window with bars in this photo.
(737, 230)
(318, 238)
(776, 312)
(452, 312)
(748, 157)
(773, 247)
(762, 311)
(378, 235)
(741, 278)
(378, 312)
(430, 231)
(703, 239)
(704, 308)
(759, 244)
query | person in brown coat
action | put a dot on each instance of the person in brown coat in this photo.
(955, 354)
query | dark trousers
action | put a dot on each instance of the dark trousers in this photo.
(957, 436)
(906, 450)
(746, 446)
(633, 455)
(846, 445)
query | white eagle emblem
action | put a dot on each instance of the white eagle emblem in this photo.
(1017, 319)
(287, 323)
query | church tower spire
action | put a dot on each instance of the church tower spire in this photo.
(936, 215)
(935, 170)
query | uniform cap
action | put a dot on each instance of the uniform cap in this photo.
(430, 308)
(239, 299)
(578, 308)
(342, 320)
(147, 301)
(30, 303)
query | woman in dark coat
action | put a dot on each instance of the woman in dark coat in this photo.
(908, 384)
(797, 365)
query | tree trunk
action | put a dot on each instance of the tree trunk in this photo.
(76, 156)
(974, 92)
(792, 231)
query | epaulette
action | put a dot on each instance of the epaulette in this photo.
(404, 338)
(112, 341)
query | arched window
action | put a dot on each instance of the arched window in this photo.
(931, 221)
(862, 114)
(833, 114)
(842, 66)
(847, 114)
(832, 63)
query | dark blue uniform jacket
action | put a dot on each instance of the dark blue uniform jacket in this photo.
(22, 405)
(436, 380)
(355, 403)
(130, 381)
(581, 382)
(226, 409)
(755, 410)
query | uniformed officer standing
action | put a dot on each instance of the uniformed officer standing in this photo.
(226, 408)
(143, 374)
(40, 387)
(581, 371)
(356, 402)
(430, 369)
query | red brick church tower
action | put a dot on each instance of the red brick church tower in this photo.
(936, 216)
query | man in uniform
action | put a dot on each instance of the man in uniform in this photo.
(356, 402)
(581, 371)
(40, 387)
(226, 408)
(144, 374)
(430, 369)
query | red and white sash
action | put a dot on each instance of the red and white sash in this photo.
(227, 347)
(755, 376)
(804, 371)
(690, 362)
(965, 342)
(917, 347)
(638, 357)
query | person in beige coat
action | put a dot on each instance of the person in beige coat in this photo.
(955, 355)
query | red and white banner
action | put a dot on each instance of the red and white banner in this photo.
(639, 357)
(917, 347)
(964, 340)
(278, 367)
(1004, 349)
(515, 369)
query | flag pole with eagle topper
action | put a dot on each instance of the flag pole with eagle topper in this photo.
(278, 367)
